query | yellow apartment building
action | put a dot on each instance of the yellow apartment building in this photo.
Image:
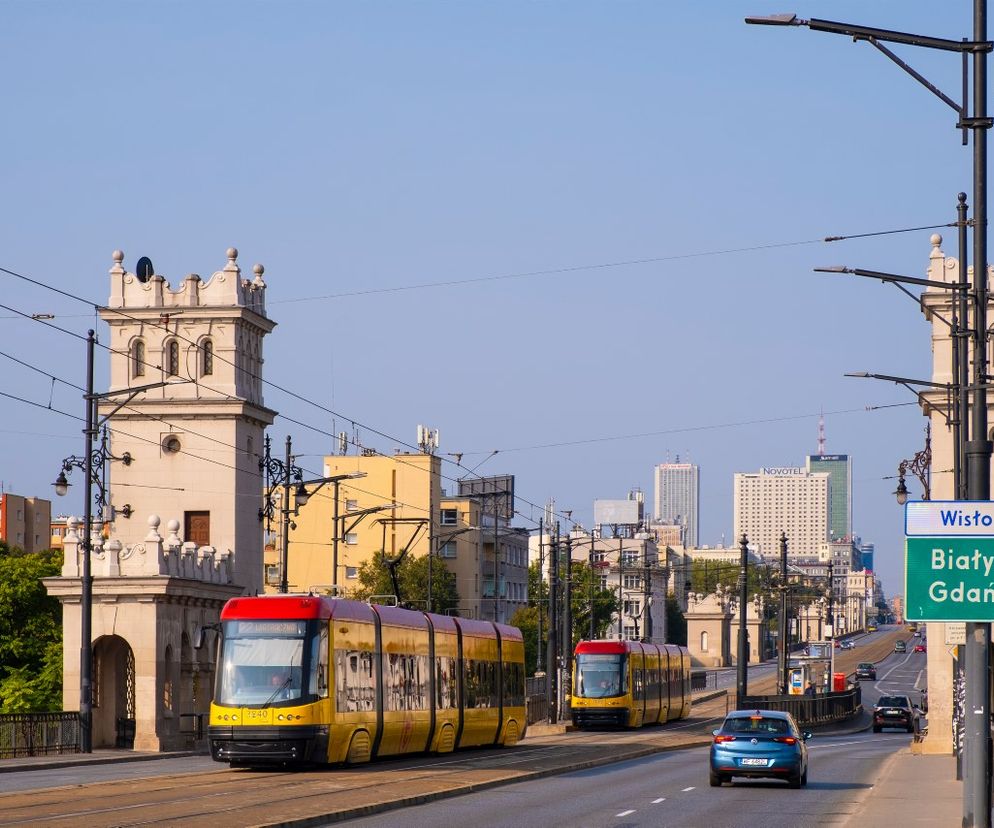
(393, 502)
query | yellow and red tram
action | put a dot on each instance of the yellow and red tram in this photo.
(629, 683)
(305, 678)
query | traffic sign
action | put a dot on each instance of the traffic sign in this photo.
(940, 518)
(949, 579)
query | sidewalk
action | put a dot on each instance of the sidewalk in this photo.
(912, 790)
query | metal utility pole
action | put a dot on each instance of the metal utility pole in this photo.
(541, 580)
(553, 654)
(567, 650)
(782, 627)
(621, 589)
(743, 671)
(590, 575)
(86, 596)
(646, 595)
(285, 544)
(977, 733)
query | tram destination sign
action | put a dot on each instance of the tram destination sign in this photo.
(949, 579)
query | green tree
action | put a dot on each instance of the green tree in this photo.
(676, 623)
(30, 632)
(412, 578)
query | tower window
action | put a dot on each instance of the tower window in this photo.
(138, 358)
(207, 358)
(172, 358)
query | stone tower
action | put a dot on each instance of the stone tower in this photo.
(194, 446)
(195, 443)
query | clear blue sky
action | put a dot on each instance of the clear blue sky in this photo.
(356, 147)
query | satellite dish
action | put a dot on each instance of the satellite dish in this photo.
(144, 270)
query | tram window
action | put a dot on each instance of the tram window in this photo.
(355, 684)
(445, 683)
(319, 666)
(470, 683)
(514, 685)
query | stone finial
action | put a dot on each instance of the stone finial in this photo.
(258, 270)
(232, 265)
(113, 562)
(173, 541)
(153, 528)
(118, 257)
(935, 239)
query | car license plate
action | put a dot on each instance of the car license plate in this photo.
(893, 712)
(761, 762)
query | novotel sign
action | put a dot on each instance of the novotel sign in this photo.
(783, 471)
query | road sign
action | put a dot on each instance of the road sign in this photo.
(949, 579)
(955, 634)
(939, 518)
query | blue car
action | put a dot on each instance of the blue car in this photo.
(759, 744)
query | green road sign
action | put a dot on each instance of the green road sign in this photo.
(949, 579)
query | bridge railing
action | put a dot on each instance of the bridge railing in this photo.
(821, 708)
(38, 734)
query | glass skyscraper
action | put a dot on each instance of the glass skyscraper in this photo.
(678, 494)
(839, 468)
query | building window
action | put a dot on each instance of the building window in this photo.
(351, 572)
(633, 608)
(632, 581)
(630, 632)
(704, 641)
(172, 358)
(448, 550)
(197, 526)
(351, 505)
(450, 517)
(352, 538)
(207, 358)
(138, 358)
(272, 574)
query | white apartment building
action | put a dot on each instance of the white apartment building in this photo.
(677, 497)
(783, 499)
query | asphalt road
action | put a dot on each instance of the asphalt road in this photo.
(671, 789)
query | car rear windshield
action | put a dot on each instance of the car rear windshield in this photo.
(741, 724)
(864, 665)
(893, 701)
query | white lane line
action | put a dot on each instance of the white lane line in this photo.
(657, 801)
(625, 813)
(687, 789)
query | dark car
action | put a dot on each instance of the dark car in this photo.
(866, 670)
(895, 711)
(759, 743)
(900, 647)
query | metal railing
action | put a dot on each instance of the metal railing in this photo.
(703, 680)
(38, 734)
(821, 708)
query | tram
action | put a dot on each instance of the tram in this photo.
(629, 684)
(313, 679)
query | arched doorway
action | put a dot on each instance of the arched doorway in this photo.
(113, 693)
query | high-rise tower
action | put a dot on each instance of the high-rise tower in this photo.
(677, 497)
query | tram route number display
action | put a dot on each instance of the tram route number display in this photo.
(949, 579)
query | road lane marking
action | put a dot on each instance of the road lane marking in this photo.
(657, 801)
(625, 813)
(687, 789)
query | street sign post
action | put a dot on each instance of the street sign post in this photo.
(949, 561)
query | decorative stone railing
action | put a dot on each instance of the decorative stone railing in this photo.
(170, 557)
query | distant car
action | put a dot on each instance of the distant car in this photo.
(759, 743)
(895, 711)
(848, 644)
(919, 648)
(838, 644)
(866, 670)
(900, 647)
(871, 627)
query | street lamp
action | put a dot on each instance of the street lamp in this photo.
(92, 466)
(280, 473)
(977, 450)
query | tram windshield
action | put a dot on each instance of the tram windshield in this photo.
(262, 662)
(599, 675)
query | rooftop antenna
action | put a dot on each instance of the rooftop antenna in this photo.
(821, 433)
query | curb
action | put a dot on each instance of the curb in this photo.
(75, 760)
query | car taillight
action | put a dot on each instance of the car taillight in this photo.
(787, 740)
(719, 739)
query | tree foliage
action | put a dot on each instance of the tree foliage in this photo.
(676, 622)
(412, 578)
(30, 632)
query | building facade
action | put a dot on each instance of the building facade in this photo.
(779, 500)
(25, 522)
(677, 491)
(839, 469)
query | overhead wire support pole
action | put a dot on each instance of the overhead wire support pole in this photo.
(742, 689)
